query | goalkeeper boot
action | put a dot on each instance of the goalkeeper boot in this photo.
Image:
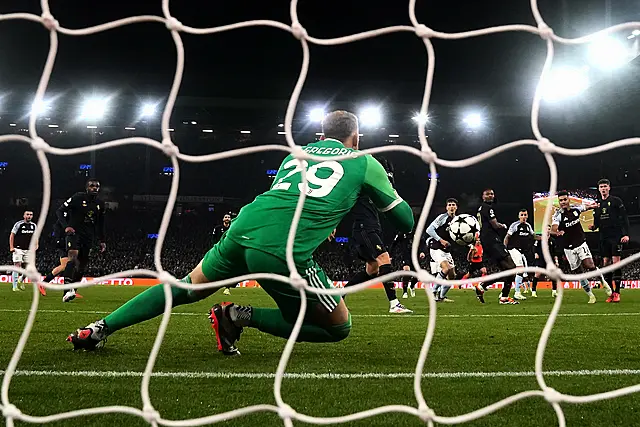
(89, 338)
(227, 333)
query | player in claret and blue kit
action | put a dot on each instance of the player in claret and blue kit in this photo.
(440, 248)
(256, 241)
(566, 225)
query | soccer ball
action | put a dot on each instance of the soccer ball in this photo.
(463, 229)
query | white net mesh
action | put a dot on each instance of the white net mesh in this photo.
(286, 412)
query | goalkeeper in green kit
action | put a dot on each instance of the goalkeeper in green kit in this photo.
(256, 241)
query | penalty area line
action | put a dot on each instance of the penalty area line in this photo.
(322, 376)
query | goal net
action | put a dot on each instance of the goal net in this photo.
(286, 412)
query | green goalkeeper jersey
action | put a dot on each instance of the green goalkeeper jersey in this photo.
(333, 187)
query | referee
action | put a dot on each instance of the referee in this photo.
(610, 217)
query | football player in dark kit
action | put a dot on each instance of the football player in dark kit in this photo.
(492, 245)
(540, 262)
(519, 242)
(82, 218)
(610, 217)
(367, 240)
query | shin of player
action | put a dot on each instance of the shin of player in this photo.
(493, 245)
(476, 267)
(256, 243)
(519, 242)
(610, 218)
(440, 248)
(566, 225)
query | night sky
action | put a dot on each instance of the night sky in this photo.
(496, 74)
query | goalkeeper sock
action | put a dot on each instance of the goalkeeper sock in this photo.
(270, 321)
(389, 286)
(150, 304)
(518, 283)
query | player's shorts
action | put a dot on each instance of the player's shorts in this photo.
(438, 256)
(610, 246)
(19, 255)
(495, 250)
(368, 244)
(575, 256)
(230, 259)
(80, 244)
(518, 258)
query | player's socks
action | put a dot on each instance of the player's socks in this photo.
(586, 286)
(519, 280)
(359, 277)
(617, 280)
(443, 291)
(506, 288)
(389, 286)
(271, 321)
(149, 304)
(609, 279)
(14, 279)
(534, 284)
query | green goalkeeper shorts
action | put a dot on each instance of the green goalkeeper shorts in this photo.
(230, 259)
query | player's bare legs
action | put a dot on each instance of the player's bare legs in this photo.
(447, 271)
(380, 267)
(588, 265)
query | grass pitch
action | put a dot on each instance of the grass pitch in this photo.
(480, 354)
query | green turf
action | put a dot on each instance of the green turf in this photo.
(480, 339)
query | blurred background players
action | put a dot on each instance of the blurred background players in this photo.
(402, 243)
(369, 245)
(82, 218)
(218, 231)
(519, 242)
(476, 267)
(492, 245)
(610, 217)
(540, 262)
(440, 247)
(19, 239)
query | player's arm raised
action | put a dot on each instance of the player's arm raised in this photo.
(376, 185)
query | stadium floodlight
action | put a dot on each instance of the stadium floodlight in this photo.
(245, 131)
(565, 82)
(281, 132)
(194, 123)
(370, 117)
(207, 130)
(53, 126)
(12, 124)
(40, 107)
(473, 120)
(316, 115)
(394, 136)
(148, 109)
(92, 127)
(280, 125)
(94, 108)
(319, 133)
(129, 128)
(421, 119)
(608, 53)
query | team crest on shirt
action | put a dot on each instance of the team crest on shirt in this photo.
(378, 247)
(575, 213)
(608, 203)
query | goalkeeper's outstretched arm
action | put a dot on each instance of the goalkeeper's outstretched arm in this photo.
(377, 186)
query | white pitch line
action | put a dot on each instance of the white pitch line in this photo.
(393, 316)
(321, 376)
